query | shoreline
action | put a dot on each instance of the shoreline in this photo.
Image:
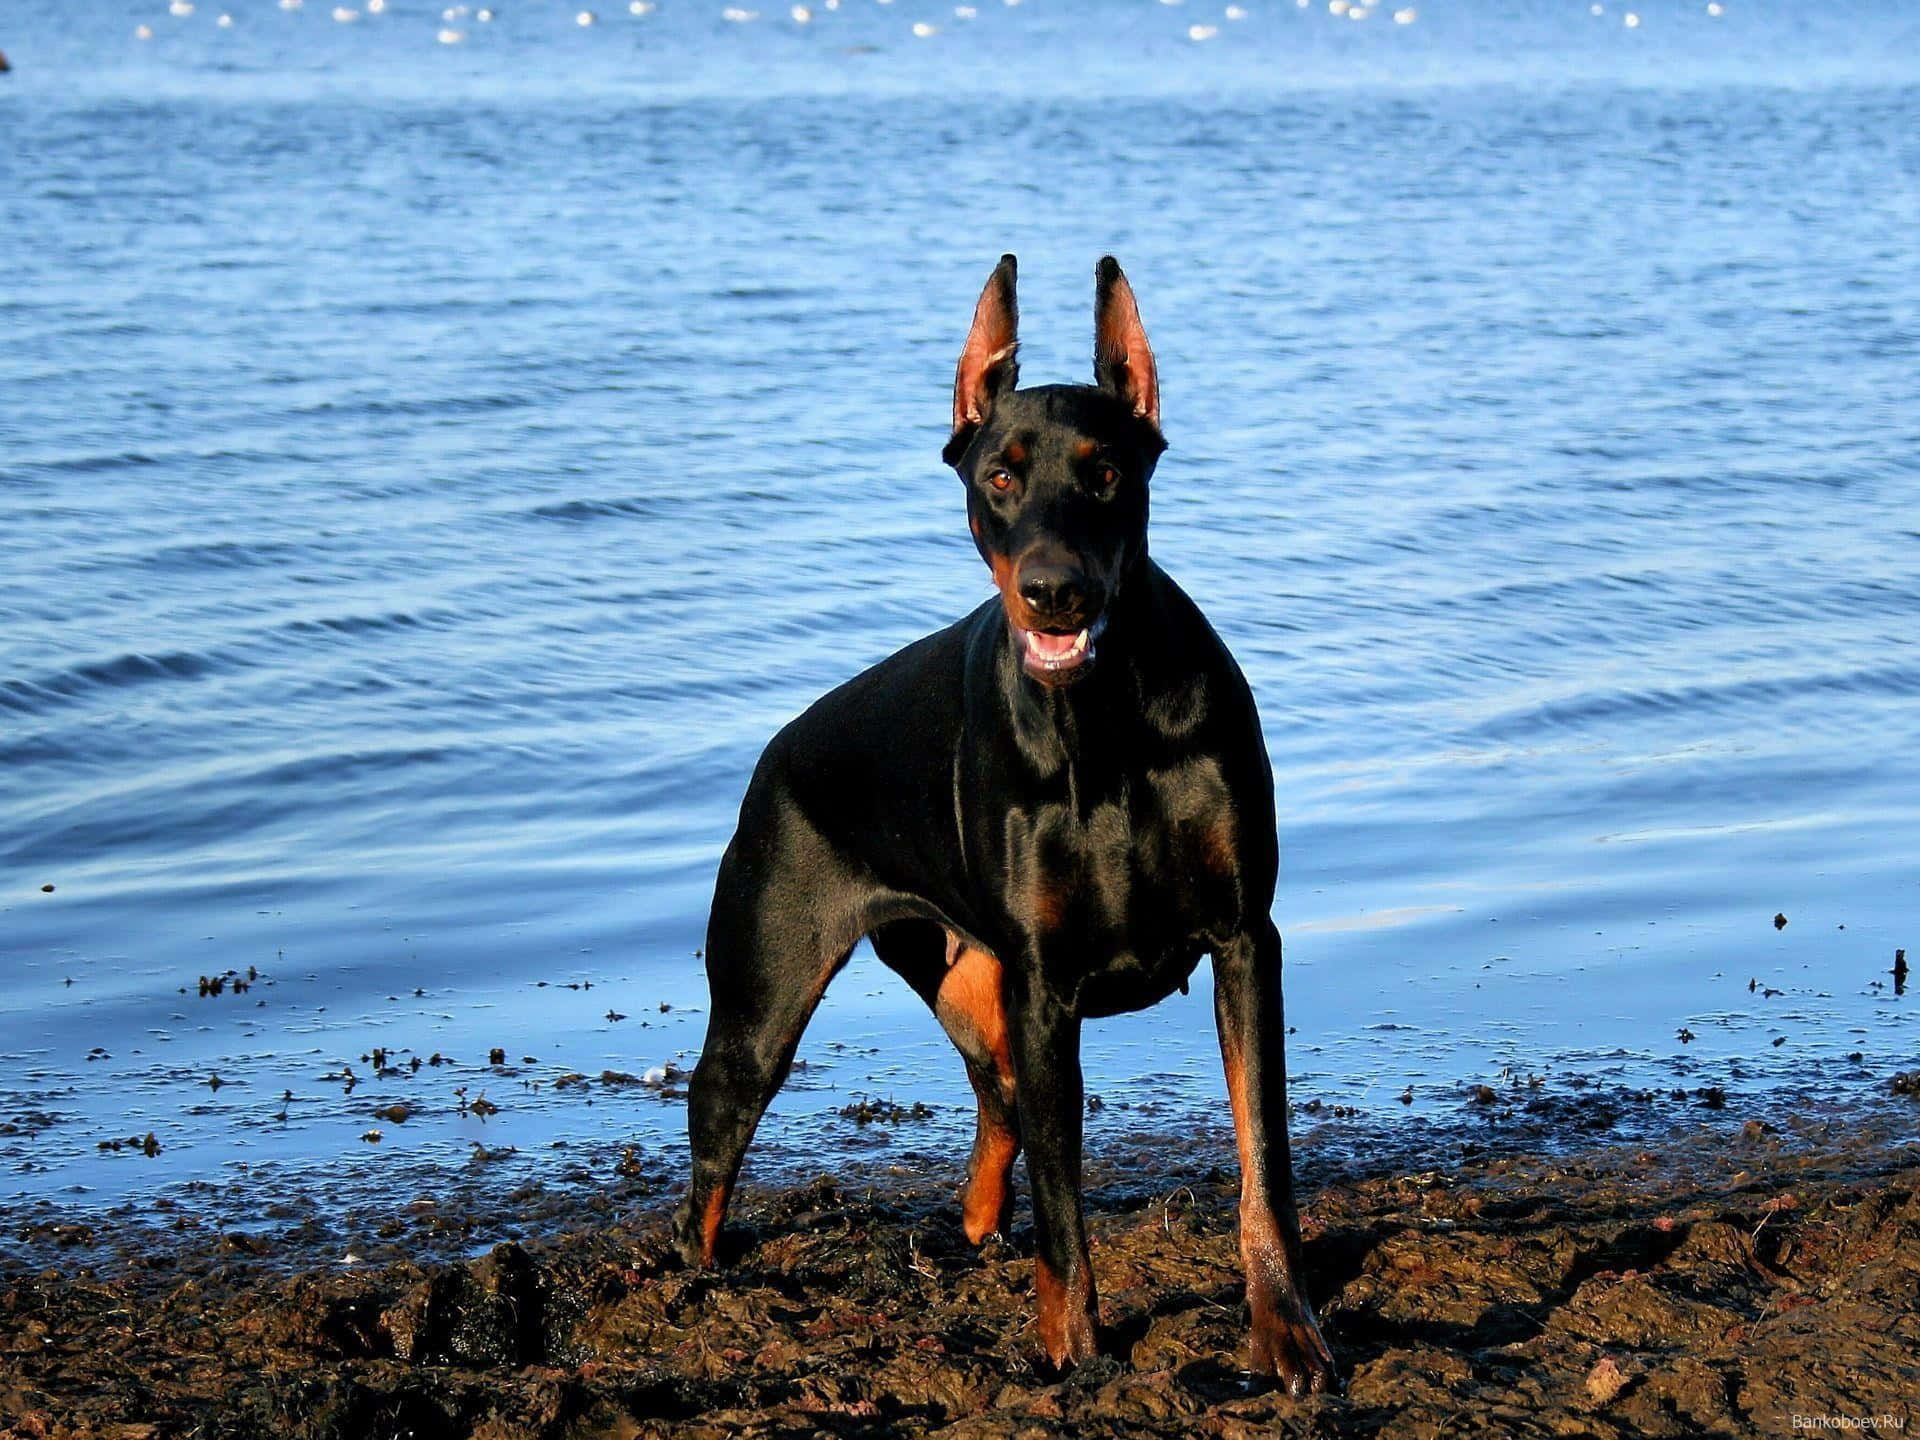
(451, 1201)
(1722, 1279)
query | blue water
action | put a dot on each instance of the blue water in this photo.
(429, 472)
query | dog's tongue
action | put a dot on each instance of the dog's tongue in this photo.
(1053, 654)
(1051, 647)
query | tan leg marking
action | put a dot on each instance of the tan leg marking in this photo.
(970, 1006)
(1066, 1313)
(710, 1225)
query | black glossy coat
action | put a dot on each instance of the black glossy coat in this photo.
(1027, 840)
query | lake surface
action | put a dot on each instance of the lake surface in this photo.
(430, 470)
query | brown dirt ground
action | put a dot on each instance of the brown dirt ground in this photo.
(1721, 1282)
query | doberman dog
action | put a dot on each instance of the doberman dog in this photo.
(1045, 812)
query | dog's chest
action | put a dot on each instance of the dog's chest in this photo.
(1130, 885)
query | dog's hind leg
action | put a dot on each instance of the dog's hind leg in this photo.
(962, 985)
(971, 1009)
(785, 918)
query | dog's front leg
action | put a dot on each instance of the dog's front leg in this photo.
(1046, 1064)
(1286, 1340)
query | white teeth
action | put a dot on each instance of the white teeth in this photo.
(1047, 652)
(1058, 659)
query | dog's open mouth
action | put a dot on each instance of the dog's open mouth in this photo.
(1047, 654)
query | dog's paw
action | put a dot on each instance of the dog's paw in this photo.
(693, 1241)
(1067, 1305)
(1288, 1346)
(1069, 1340)
(986, 1212)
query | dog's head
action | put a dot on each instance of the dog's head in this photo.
(1057, 475)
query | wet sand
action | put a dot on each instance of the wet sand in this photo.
(1722, 1277)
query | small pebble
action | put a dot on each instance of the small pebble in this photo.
(1606, 1380)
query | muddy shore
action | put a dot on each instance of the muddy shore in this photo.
(1721, 1277)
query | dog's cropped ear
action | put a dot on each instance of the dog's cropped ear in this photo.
(987, 364)
(1122, 362)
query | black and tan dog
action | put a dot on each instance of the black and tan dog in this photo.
(1048, 811)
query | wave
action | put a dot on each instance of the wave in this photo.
(225, 555)
(1587, 710)
(624, 507)
(416, 408)
(88, 464)
(80, 682)
(123, 672)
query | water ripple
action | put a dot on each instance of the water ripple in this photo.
(429, 473)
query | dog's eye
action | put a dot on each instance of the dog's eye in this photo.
(1106, 478)
(1000, 479)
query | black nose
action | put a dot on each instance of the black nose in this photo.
(1053, 592)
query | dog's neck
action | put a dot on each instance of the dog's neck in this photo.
(1072, 723)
